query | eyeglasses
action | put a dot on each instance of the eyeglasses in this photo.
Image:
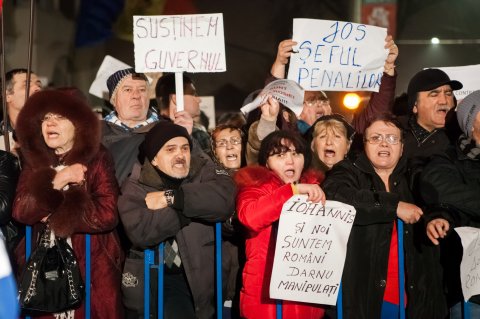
(378, 138)
(232, 141)
(317, 101)
(52, 117)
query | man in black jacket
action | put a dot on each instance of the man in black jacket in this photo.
(450, 186)
(430, 98)
(175, 197)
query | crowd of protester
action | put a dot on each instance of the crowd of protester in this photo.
(147, 175)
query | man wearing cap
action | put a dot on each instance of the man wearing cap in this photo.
(430, 98)
(174, 197)
(450, 186)
(124, 128)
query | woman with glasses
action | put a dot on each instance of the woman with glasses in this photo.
(375, 184)
(227, 146)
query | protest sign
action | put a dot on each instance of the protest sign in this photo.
(287, 92)
(310, 251)
(337, 56)
(467, 75)
(470, 265)
(179, 43)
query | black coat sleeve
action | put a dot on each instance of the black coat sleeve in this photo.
(9, 172)
(449, 193)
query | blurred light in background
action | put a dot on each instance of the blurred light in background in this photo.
(351, 101)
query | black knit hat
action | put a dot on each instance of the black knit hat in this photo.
(427, 80)
(116, 78)
(160, 134)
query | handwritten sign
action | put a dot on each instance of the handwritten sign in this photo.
(287, 92)
(337, 56)
(179, 43)
(467, 75)
(310, 251)
(470, 265)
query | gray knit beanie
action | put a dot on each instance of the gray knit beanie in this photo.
(467, 111)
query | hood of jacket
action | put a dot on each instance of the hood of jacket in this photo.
(34, 151)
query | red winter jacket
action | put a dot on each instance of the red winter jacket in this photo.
(259, 204)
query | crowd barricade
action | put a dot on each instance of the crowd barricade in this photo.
(149, 263)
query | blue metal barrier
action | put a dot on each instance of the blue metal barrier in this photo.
(340, 303)
(149, 263)
(466, 310)
(279, 309)
(218, 268)
(88, 276)
(401, 268)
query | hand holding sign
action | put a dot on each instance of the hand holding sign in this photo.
(286, 92)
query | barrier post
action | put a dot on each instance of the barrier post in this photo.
(148, 259)
(466, 310)
(340, 303)
(218, 268)
(401, 268)
(161, 265)
(88, 276)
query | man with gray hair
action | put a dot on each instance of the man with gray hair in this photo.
(124, 128)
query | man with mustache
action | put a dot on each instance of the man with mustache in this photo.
(430, 98)
(174, 197)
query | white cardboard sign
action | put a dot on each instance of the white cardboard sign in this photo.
(470, 265)
(287, 92)
(337, 56)
(179, 43)
(467, 75)
(310, 250)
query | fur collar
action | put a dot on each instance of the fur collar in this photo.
(35, 153)
(254, 176)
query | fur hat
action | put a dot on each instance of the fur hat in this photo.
(28, 129)
(427, 80)
(160, 134)
(467, 111)
(114, 80)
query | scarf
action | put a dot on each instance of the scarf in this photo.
(469, 147)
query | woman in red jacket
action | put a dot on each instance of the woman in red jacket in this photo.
(262, 192)
(68, 180)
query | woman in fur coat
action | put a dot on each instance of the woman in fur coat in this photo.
(68, 180)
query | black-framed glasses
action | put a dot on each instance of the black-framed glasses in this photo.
(233, 141)
(391, 139)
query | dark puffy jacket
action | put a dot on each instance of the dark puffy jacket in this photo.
(365, 273)
(450, 186)
(9, 171)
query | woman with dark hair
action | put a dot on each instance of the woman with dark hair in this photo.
(68, 181)
(375, 183)
(262, 192)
